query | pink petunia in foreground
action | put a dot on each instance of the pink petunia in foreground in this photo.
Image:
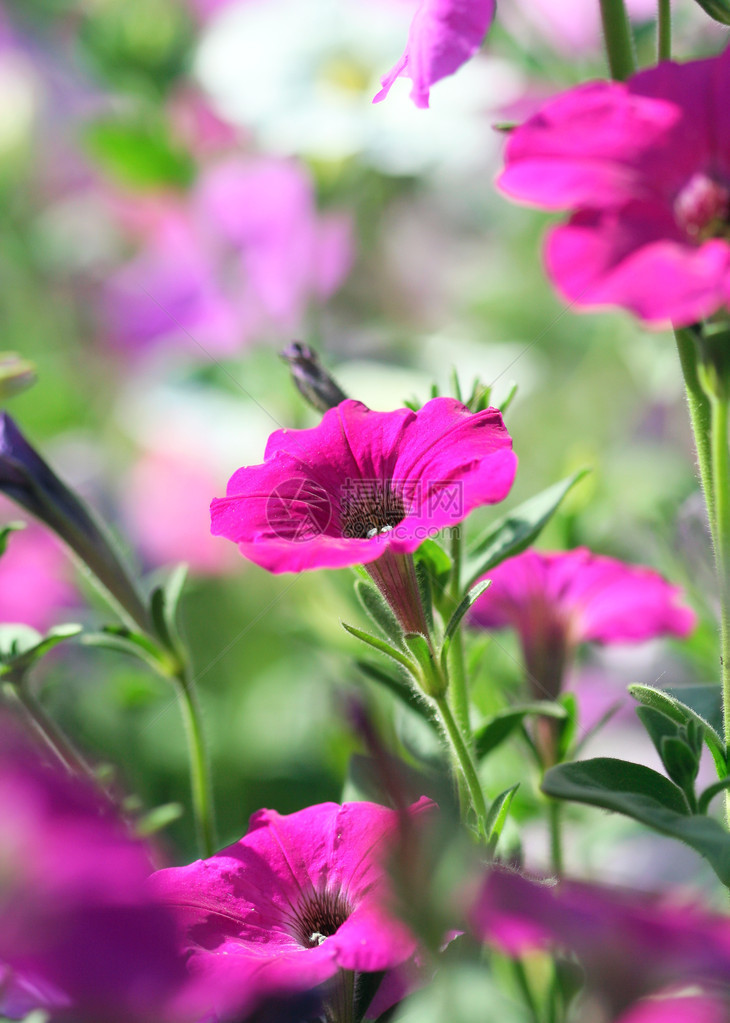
(644, 166)
(557, 600)
(365, 487)
(444, 34)
(630, 944)
(299, 901)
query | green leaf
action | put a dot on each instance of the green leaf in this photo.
(658, 725)
(406, 692)
(679, 712)
(704, 700)
(164, 604)
(493, 732)
(709, 794)
(382, 646)
(431, 677)
(378, 610)
(517, 530)
(5, 531)
(680, 762)
(438, 563)
(719, 10)
(646, 796)
(21, 646)
(455, 621)
(497, 815)
(157, 819)
(134, 644)
(138, 154)
(568, 725)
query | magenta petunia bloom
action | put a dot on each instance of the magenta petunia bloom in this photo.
(645, 167)
(80, 935)
(297, 900)
(629, 943)
(556, 600)
(366, 485)
(444, 34)
(688, 1009)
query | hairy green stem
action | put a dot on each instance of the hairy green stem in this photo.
(556, 837)
(199, 773)
(458, 684)
(699, 413)
(618, 39)
(664, 30)
(464, 761)
(721, 480)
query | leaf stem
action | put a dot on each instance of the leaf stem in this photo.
(458, 688)
(556, 837)
(618, 39)
(199, 772)
(721, 480)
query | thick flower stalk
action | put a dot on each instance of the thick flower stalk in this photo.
(300, 901)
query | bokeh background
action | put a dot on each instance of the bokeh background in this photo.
(185, 187)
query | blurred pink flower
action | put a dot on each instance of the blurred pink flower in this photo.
(35, 587)
(80, 935)
(630, 944)
(167, 501)
(444, 34)
(297, 900)
(687, 1009)
(644, 166)
(242, 257)
(559, 599)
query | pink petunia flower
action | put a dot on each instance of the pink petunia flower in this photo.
(560, 599)
(365, 486)
(35, 587)
(444, 34)
(243, 256)
(299, 899)
(687, 1009)
(80, 935)
(644, 167)
(630, 943)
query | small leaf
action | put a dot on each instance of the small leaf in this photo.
(568, 725)
(681, 714)
(646, 796)
(382, 646)
(719, 10)
(438, 561)
(455, 621)
(657, 724)
(164, 604)
(5, 531)
(710, 792)
(493, 732)
(155, 820)
(134, 644)
(497, 815)
(21, 646)
(378, 610)
(517, 530)
(406, 692)
(681, 764)
(432, 679)
(704, 700)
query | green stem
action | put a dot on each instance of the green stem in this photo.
(525, 989)
(199, 773)
(48, 731)
(721, 479)
(556, 839)
(465, 762)
(458, 687)
(618, 39)
(699, 414)
(664, 30)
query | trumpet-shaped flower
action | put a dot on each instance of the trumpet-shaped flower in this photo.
(80, 935)
(363, 482)
(559, 599)
(444, 34)
(297, 900)
(644, 167)
(630, 944)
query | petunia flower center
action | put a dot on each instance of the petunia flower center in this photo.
(370, 507)
(319, 916)
(702, 209)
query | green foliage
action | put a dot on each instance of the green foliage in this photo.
(138, 153)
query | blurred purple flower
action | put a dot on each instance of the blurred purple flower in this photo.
(643, 165)
(559, 599)
(629, 943)
(687, 1009)
(444, 34)
(298, 900)
(243, 257)
(80, 935)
